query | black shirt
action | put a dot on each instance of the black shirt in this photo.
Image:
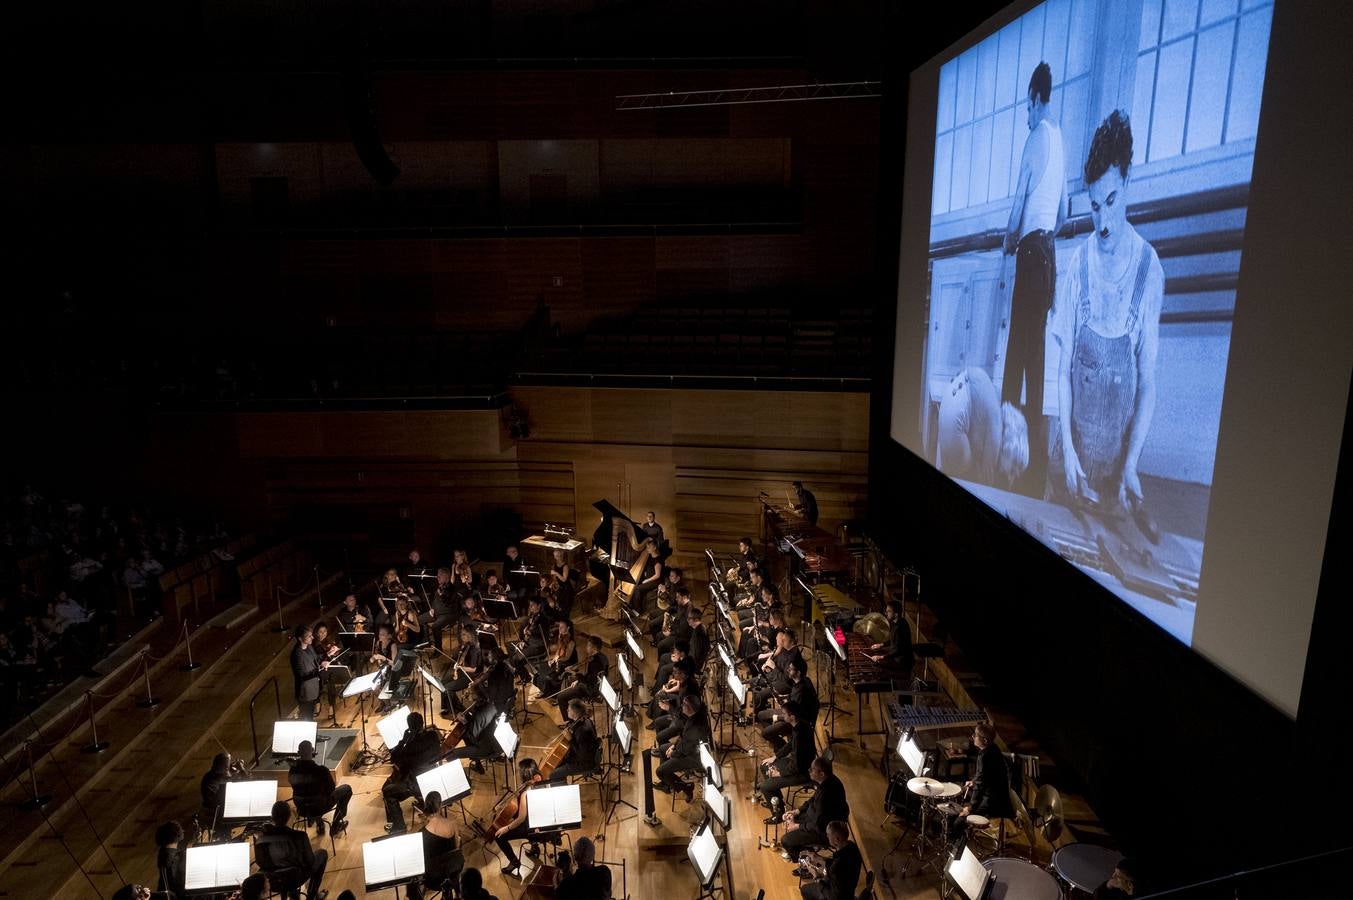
(591, 883)
(828, 804)
(284, 848)
(899, 645)
(805, 695)
(843, 871)
(416, 752)
(311, 782)
(809, 503)
(698, 645)
(584, 749)
(305, 671)
(991, 785)
(692, 733)
(798, 753)
(213, 790)
(346, 617)
(654, 532)
(498, 687)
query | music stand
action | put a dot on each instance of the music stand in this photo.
(720, 807)
(248, 801)
(431, 681)
(624, 668)
(507, 738)
(449, 781)
(287, 735)
(838, 652)
(393, 727)
(710, 765)
(388, 862)
(215, 868)
(968, 875)
(359, 687)
(739, 692)
(609, 695)
(705, 854)
(633, 644)
(622, 738)
(499, 609)
(554, 808)
(911, 753)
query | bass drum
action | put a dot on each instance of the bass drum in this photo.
(874, 626)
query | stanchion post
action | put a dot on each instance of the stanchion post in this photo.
(189, 666)
(95, 745)
(277, 592)
(151, 701)
(37, 801)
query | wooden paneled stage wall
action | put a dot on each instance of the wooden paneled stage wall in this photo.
(698, 458)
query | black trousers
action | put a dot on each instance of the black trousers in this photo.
(802, 839)
(776, 733)
(564, 770)
(1035, 282)
(394, 791)
(771, 787)
(505, 843)
(671, 768)
(459, 683)
(306, 709)
(579, 691)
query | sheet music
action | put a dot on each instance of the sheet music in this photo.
(969, 874)
(911, 754)
(549, 807)
(718, 804)
(634, 645)
(393, 726)
(703, 852)
(710, 765)
(723, 655)
(363, 683)
(622, 733)
(249, 799)
(288, 734)
(737, 687)
(432, 679)
(448, 780)
(507, 738)
(215, 866)
(393, 859)
(831, 639)
(609, 694)
(624, 671)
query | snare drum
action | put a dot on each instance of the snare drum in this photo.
(1023, 880)
(976, 821)
(949, 809)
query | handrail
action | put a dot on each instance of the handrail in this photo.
(1236, 877)
(253, 730)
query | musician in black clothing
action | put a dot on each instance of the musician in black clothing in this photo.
(805, 827)
(897, 656)
(460, 671)
(807, 503)
(314, 792)
(305, 670)
(416, 752)
(989, 790)
(770, 622)
(776, 668)
(584, 750)
(801, 692)
(652, 577)
(791, 763)
(223, 769)
(351, 612)
(281, 848)
(666, 701)
(444, 610)
(683, 754)
(1122, 883)
(496, 694)
(588, 881)
(534, 631)
(697, 636)
(842, 871)
(169, 858)
(588, 685)
(679, 630)
(652, 530)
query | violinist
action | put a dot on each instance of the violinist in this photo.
(354, 616)
(584, 750)
(461, 570)
(462, 670)
(326, 648)
(224, 768)
(562, 576)
(533, 632)
(386, 650)
(443, 611)
(408, 629)
(518, 827)
(588, 684)
(563, 653)
(493, 588)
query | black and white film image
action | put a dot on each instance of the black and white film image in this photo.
(1091, 180)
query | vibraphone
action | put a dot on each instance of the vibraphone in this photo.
(933, 718)
(869, 678)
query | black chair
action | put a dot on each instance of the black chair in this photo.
(312, 812)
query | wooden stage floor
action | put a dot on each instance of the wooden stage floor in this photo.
(152, 773)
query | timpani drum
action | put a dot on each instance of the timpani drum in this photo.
(1085, 867)
(1015, 879)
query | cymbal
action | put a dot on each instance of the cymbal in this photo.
(875, 626)
(930, 787)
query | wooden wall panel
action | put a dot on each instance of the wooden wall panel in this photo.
(433, 434)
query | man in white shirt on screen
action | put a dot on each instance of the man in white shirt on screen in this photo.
(1037, 214)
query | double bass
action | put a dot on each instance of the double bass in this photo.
(618, 532)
